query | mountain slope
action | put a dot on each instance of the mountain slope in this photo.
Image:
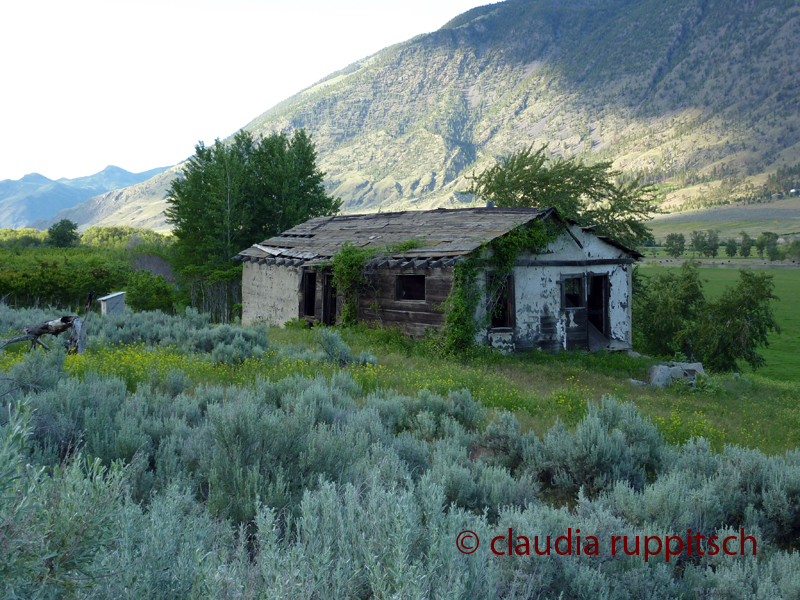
(701, 96)
(35, 197)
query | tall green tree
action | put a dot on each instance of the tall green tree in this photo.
(63, 234)
(587, 194)
(698, 242)
(232, 195)
(747, 245)
(671, 314)
(733, 327)
(711, 247)
(675, 244)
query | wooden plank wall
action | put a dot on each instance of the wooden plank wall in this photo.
(412, 317)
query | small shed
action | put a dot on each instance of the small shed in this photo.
(574, 294)
(113, 304)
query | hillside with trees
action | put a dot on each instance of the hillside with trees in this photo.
(698, 97)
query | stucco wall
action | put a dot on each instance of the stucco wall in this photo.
(270, 294)
(540, 320)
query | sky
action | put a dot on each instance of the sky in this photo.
(136, 84)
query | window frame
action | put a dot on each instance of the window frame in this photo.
(398, 288)
(563, 283)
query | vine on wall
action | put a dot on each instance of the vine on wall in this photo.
(348, 272)
(461, 326)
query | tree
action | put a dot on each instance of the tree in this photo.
(747, 244)
(146, 291)
(675, 244)
(671, 314)
(711, 247)
(665, 308)
(794, 249)
(587, 194)
(236, 194)
(63, 234)
(771, 245)
(731, 247)
(698, 241)
(736, 325)
(761, 245)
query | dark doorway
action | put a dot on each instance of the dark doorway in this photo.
(597, 302)
(328, 300)
(309, 293)
(504, 309)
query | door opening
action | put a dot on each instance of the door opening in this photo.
(328, 300)
(597, 302)
(309, 293)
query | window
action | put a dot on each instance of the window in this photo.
(410, 287)
(502, 307)
(572, 293)
(309, 293)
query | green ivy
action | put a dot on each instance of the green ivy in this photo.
(348, 272)
(460, 323)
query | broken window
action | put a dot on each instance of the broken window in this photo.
(572, 293)
(502, 306)
(410, 287)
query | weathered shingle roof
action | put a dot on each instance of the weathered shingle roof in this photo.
(444, 233)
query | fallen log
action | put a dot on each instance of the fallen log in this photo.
(77, 338)
(32, 333)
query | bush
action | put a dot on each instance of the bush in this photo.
(146, 291)
(671, 315)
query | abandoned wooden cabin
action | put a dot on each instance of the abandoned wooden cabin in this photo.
(575, 294)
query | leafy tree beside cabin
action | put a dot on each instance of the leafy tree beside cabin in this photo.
(235, 194)
(587, 194)
(671, 314)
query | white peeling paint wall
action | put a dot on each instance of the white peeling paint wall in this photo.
(539, 318)
(270, 294)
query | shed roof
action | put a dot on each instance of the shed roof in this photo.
(114, 295)
(446, 234)
(443, 232)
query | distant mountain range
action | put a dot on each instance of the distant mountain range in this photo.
(35, 198)
(699, 96)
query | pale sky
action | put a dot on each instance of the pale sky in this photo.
(136, 84)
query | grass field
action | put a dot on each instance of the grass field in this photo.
(783, 353)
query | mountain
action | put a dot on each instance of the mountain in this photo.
(699, 96)
(35, 197)
(139, 205)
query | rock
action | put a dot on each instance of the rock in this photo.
(636, 382)
(633, 354)
(660, 376)
(690, 369)
(677, 372)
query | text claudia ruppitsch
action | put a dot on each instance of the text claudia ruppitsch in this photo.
(649, 545)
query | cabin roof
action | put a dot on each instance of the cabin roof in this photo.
(445, 234)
